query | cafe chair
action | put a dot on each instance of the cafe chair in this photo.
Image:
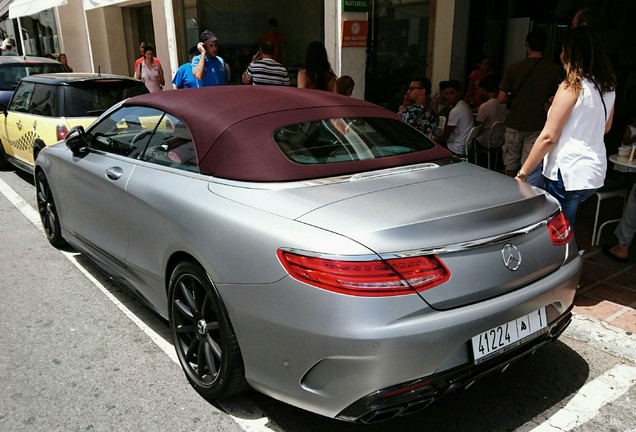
(469, 144)
(612, 188)
(495, 143)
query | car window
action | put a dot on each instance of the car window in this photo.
(22, 97)
(43, 101)
(171, 145)
(348, 139)
(125, 131)
(11, 74)
(94, 97)
(147, 134)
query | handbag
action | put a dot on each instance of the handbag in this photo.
(511, 95)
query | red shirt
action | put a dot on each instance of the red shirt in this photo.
(140, 59)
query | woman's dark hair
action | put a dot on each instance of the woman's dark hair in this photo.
(317, 65)
(584, 56)
(149, 48)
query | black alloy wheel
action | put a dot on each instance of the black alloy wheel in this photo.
(202, 334)
(48, 211)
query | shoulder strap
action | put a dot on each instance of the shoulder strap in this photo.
(527, 76)
(603, 101)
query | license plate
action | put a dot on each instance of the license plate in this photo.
(507, 336)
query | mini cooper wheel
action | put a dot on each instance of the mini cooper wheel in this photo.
(48, 211)
(202, 334)
(4, 164)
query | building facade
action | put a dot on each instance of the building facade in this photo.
(104, 35)
(381, 44)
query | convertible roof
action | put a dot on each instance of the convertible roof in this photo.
(232, 128)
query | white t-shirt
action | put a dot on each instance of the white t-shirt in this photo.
(580, 151)
(461, 117)
(488, 113)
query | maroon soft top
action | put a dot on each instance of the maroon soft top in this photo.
(232, 129)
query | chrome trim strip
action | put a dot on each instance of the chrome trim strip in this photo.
(391, 171)
(457, 247)
(313, 254)
(338, 179)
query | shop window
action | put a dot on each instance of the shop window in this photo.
(397, 49)
(239, 27)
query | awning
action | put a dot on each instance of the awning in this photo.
(4, 7)
(94, 4)
(20, 8)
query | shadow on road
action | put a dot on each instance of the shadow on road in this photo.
(499, 402)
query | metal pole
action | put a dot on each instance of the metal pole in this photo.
(21, 36)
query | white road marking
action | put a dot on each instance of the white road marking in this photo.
(254, 420)
(587, 402)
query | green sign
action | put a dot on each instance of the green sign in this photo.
(355, 5)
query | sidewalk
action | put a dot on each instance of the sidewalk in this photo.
(607, 290)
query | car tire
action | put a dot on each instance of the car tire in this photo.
(203, 335)
(4, 163)
(48, 211)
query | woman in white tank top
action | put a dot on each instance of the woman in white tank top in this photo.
(571, 142)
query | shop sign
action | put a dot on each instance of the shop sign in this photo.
(354, 34)
(355, 5)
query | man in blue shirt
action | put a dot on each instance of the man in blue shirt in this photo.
(211, 71)
(184, 78)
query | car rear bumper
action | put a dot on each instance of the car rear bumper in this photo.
(341, 356)
(409, 397)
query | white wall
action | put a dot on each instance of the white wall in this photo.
(73, 37)
(344, 61)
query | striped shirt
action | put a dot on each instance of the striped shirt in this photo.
(267, 71)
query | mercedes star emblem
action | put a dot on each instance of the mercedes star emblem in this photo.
(511, 256)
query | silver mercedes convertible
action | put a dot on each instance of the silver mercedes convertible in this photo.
(311, 246)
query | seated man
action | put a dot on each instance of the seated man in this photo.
(416, 112)
(460, 119)
(490, 112)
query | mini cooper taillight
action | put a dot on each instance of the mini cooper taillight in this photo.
(373, 278)
(61, 131)
(561, 232)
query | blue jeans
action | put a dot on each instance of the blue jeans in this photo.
(535, 178)
(569, 200)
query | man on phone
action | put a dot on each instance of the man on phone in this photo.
(207, 67)
(264, 70)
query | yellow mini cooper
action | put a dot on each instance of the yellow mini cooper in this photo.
(44, 107)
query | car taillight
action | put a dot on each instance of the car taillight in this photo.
(61, 131)
(561, 232)
(375, 278)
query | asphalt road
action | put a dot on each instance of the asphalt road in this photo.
(79, 354)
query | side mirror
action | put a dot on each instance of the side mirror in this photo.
(76, 139)
(3, 109)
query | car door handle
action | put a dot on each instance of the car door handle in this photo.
(19, 124)
(114, 173)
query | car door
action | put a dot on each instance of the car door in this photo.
(96, 205)
(17, 128)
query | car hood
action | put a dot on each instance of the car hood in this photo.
(462, 213)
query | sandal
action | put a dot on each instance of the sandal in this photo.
(608, 253)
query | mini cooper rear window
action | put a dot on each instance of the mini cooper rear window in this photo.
(92, 98)
(348, 139)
